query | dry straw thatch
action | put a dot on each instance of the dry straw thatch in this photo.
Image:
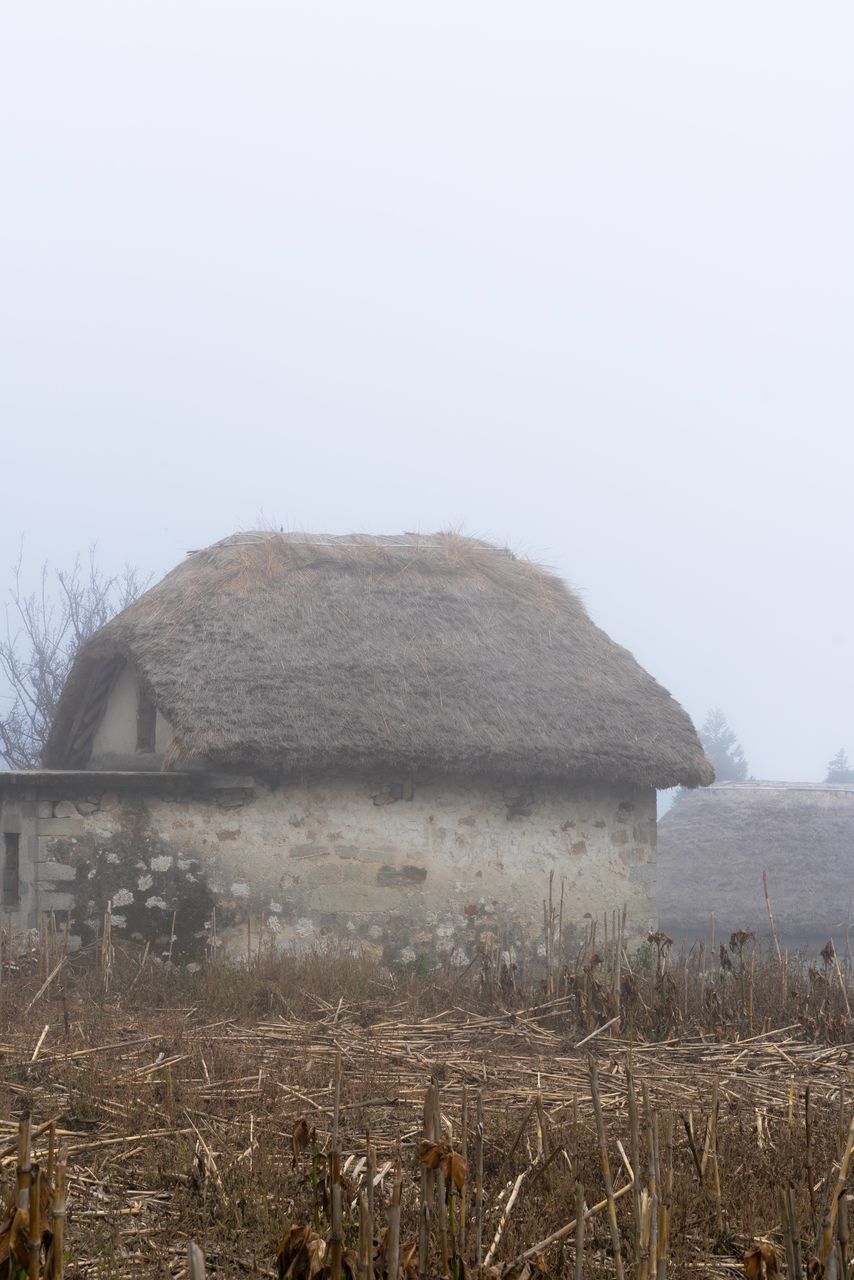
(440, 654)
(714, 845)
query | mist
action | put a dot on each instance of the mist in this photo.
(575, 279)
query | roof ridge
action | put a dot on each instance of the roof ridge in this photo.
(768, 784)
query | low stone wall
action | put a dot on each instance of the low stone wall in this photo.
(398, 869)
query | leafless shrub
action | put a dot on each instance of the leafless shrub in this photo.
(43, 630)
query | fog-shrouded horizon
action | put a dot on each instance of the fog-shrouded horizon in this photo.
(576, 279)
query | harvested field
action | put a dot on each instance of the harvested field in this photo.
(209, 1107)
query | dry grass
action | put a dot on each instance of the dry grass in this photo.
(176, 1098)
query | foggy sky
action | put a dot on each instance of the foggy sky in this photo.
(573, 277)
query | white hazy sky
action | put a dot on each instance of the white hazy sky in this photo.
(576, 277)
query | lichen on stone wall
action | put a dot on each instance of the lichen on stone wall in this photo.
(134, 869)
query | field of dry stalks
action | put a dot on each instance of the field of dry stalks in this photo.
(650, 1115)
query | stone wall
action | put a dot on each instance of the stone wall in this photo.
(396, 868)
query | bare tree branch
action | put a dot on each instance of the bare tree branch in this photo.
(43, 631)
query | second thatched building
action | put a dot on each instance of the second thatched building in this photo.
(392, 740)
(715, 845)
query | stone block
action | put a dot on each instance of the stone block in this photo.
(61, 826)
(54, 871)
(339, 872)
(55, 901)
(347, 850)
(64, 809)
(309, 851)
(401, 876)
(44, 809)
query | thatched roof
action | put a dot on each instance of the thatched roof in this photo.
(311, 654)
(713, 846)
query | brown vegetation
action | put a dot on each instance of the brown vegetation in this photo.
(348, 1120)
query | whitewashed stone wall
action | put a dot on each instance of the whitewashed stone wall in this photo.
(397, 869)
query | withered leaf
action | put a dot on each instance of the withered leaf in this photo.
(454, 1169)
(301, 1133)
(301, 1136)
(659, 939)
(19, 1237)
(409, 1260)
(761, 1262)
(300, 1255)
(350, 1265)
(431, 1153)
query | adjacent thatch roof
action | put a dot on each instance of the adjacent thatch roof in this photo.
(714, 844)
(440, 653)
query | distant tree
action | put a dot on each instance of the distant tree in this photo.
(723, 748)
(43, 631)
(839, 769)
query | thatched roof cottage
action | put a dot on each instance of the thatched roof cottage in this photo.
(714, 844)
(394, 739)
